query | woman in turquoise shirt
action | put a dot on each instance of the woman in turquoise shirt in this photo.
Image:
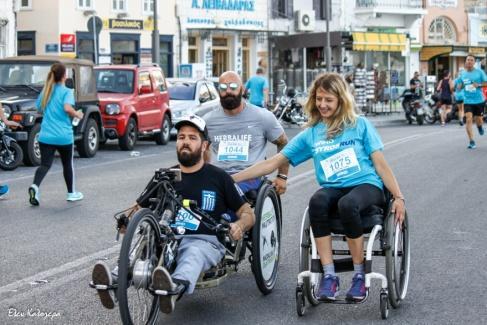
(56, 104)
(350, 168)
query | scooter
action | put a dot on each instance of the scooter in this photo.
(11, 154)
(413, 107)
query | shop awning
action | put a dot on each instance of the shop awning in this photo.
(429, 52)
(384, 42)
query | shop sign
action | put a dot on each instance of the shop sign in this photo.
(476, 50)
(68, 42)
(443, 3)
(483, 30)
(125, 24)
(225, 14)
(52, 48)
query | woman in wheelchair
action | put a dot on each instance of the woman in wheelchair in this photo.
(212, 191)
(350, 169)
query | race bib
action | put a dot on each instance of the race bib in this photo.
(186, 220)
(233, 150)
(470, 88)
(340, 165)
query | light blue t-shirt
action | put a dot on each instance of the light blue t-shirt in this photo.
(458, 93)
(256, 86)
(56, 128)
(473, 95)
(340, 162)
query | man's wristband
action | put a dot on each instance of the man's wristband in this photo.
(282, 176)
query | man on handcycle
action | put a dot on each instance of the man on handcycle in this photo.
(239, 132)
(216, 193)
(351, 170)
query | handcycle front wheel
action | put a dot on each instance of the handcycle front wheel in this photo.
(138, 258)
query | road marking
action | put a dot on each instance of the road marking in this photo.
(15, 286)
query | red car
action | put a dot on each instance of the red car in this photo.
(134, 103)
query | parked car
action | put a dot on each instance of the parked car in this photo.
(134, 103)
(188, 96)
(21, 81)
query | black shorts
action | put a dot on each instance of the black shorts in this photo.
(445, 101)
(475, 109)
(459, 101)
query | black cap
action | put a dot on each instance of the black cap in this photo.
(195, 121)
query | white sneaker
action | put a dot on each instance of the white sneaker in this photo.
(75, 196)
(34, 194)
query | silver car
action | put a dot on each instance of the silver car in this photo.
(188, 96)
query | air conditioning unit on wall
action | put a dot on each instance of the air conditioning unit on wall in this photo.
(305, 20)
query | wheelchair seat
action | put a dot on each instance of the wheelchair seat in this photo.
(373, 215)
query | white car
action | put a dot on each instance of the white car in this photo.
(188, 96)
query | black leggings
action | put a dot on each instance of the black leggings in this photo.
(349, 201)
(47, 157)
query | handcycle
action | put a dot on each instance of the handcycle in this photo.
(149, 241)
(378, 224)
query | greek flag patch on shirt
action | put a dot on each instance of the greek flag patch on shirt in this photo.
(209, 200)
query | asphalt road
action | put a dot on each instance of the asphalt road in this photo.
(47, 252)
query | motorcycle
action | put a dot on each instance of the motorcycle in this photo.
(11, 154)
(432, 109)
(413, 107)
(289, 107)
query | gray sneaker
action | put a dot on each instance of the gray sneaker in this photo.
(161, 280)
(34, 195)
(101, 276)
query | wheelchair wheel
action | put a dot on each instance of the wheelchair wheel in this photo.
(300, 301)
(397, 259)
(138, 257)
(266, 237)
(305, 260)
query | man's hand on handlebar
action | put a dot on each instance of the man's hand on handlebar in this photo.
(236, 231)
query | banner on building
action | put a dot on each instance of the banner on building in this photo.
(68, 43)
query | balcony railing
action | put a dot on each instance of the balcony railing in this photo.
(390, 4)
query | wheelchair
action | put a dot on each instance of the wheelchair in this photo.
(149, 241)
(379, 225)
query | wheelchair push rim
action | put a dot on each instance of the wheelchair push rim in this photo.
(309, 283)
(397, 259)
(138, 258)
(266, 236)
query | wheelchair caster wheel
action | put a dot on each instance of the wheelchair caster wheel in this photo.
(384, 305)
(300, 302)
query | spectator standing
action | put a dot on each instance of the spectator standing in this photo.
(56, 104)
(258, 86)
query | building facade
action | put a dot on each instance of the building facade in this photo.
(105, 31)
(7, 27)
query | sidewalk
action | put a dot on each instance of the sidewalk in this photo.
(387, 119)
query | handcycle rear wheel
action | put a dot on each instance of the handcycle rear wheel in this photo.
(266, 238)
(138, 257)
(397, 259)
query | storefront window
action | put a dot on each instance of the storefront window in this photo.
(26, 44)
(166, 52)
(192, 50)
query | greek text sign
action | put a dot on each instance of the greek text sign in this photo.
(125, 24)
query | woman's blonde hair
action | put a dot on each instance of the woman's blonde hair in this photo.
(345, 114)
(55, 75)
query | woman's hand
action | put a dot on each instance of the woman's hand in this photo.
(399, 209)
(13, 124)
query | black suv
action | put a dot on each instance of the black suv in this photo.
(21, 81)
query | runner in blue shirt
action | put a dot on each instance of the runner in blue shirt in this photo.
(471, 81)
(350, 168)
(258, 88)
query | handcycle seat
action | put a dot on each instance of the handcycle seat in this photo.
(372, 216)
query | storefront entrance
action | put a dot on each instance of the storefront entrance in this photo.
(125, 48)
(220, 56)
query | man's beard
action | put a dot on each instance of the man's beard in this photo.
(231, 102)
(189, 159)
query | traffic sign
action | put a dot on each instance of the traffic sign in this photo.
(98, 24)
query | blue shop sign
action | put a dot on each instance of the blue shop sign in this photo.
(52, 48)
(231, 5)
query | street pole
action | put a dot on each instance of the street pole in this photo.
(95, 39)
(328, 47)
(155, 37)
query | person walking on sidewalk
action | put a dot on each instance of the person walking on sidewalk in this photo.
(56, 104)
(445, 88)
(471, 81)
(258, 88)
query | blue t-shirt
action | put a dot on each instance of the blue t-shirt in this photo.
(256, 86)
(56, 125)
(458, 93)
(343, 161)
(473, 95)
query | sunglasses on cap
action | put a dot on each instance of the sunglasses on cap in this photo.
(232, 85)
